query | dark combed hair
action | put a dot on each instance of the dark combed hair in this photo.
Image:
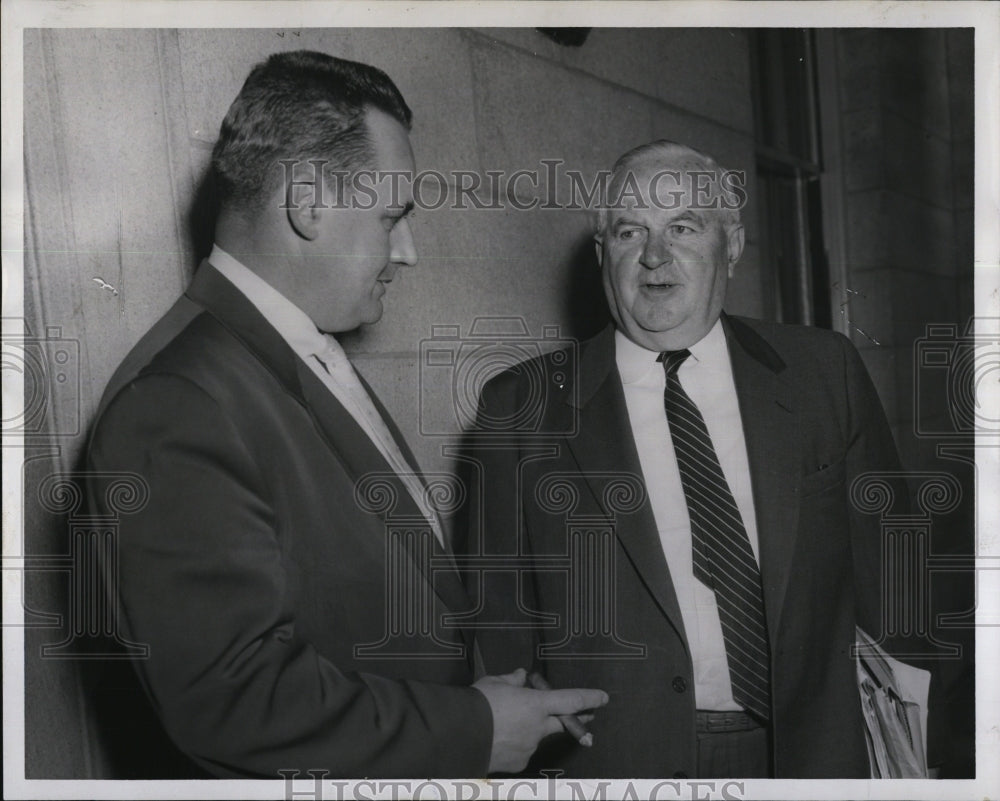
(304, 106)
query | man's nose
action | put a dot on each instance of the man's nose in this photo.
(656, 252)
(403, 250)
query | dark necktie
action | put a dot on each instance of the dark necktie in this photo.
(723, 559)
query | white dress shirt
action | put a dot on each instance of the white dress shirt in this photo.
(707, 377)
(326, 358)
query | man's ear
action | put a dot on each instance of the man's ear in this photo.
(303, 213)
(736, 238)
(599, 246)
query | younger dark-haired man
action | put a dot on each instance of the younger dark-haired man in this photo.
(253, 574)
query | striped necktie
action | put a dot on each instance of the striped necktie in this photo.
(723, 559)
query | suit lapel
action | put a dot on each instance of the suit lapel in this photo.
(346, 438)
(604, 429)
(342, 435)
(347, 441)
(770, 425)
(397, 435)
(771, 428)
(450, 586)
(361, 457)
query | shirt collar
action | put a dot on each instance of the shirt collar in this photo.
(291, 323)
(635, 362)
(711, 352)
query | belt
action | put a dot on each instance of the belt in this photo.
(724, 721)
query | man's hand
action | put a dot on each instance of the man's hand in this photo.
(522, 716)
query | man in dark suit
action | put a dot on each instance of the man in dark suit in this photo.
(720, 610)
(257, 571)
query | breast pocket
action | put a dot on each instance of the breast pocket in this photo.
(826, 478)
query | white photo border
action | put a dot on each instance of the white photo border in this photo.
(983, 16)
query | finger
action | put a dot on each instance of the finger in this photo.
(515, 679)
(586, 717)
(552, 725)
(537, 680)
(568, 702)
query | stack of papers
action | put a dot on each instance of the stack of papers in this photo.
(894, 704)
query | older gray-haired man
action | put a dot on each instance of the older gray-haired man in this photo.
(732, 591)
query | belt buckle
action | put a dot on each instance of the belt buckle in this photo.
(718, 722)
(726, 722)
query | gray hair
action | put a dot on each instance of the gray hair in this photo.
(685, 157)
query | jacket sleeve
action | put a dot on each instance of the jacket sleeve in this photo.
(201, 581)
(491, 524)
(872, 449)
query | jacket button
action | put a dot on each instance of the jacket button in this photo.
(680, 775)
(679, 684)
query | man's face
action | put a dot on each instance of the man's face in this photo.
(664, 262)
(350, 264)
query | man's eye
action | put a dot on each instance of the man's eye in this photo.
(629, 233)
(678, 228)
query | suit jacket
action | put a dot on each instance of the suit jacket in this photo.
(813, 422)
(253, 573)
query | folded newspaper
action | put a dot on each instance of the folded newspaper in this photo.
(894, 703)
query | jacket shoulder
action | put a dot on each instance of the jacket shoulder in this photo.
(188, 344)
(526, 398)
(795, 345)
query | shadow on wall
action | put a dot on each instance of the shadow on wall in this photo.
(201, 216)
(585, 309)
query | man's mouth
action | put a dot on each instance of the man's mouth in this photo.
(665, 286)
